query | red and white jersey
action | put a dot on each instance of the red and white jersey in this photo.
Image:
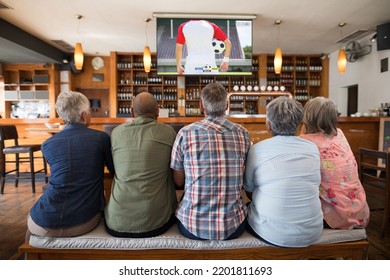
(198, 35)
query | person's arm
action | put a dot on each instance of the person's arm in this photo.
(179, 53)
(109, 162)
(225, 62)
(179, 177)
(250, 166)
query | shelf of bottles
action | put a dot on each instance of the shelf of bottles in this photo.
(236, 105)
(193, 87)
(301, 91)
(169, 94)
(132, 79)
(124, 91)
(315, 76)
(301, 76)
(255, 64)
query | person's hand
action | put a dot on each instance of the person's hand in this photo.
(180, 70)
(224, 66)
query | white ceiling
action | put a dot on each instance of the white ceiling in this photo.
(308, 26)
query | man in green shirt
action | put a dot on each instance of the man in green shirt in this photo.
(143, 198)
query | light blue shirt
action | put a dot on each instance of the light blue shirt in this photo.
(283, 172)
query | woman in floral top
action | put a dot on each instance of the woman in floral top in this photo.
(342, 195)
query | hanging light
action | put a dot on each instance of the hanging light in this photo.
(342, 61)
(278, 61)
(147, 59)
(342, 57)
(78, 56)
(78, 50)
(147, 55)
(278, 53)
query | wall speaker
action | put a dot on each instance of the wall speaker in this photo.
(383, 37)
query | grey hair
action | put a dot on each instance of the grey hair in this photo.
(284, 115)
(70, 105)
(214, 99)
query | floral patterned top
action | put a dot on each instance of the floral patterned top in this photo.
(342, 195)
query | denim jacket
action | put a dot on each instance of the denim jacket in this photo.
(75, 193)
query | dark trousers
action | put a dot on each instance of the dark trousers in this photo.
(152, 233)
(234, 235)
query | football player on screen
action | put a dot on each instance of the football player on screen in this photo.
(198, 36)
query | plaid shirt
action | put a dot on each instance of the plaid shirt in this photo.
(212, 153)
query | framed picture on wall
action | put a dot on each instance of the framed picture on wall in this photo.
(98, 77)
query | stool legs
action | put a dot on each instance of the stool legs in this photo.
(32, 171)
(17, 170)
(2, 174)
(2, 180)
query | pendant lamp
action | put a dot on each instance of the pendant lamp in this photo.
(278, 61)
(342, 57)
(78, 50)
(78, 56)
(147, 55)
(341, 61)
(147, 59)
(278, 53)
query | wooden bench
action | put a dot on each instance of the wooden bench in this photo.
(99, 245)
(356, 250)
(333, 244)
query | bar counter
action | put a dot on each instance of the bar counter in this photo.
(360, 131)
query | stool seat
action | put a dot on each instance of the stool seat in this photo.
(21, 149)
(9, 133)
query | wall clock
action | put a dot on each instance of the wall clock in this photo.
(97, 63)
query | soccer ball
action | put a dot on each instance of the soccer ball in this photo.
(218, 46)
(207, 68)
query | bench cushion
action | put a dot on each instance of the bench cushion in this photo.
(172, 239)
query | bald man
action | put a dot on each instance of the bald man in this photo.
(143, 198)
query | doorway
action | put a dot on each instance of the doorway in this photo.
(352, 105)
(352, 99)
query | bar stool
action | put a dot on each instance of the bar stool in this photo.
(9, 132)
(374, 174)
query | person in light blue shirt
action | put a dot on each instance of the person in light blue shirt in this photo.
(282, 177)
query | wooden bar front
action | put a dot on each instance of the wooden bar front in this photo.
(360, 132)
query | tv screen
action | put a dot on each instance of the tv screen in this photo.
(204, 46)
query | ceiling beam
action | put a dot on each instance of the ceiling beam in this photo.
(20, 37)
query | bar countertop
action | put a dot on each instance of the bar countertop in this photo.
(184, 120)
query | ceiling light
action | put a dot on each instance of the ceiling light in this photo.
(147, 55)
(342, 58)
(342, 61)
(78, 50)
(278, 53)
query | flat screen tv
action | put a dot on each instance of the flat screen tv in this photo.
(204, 46)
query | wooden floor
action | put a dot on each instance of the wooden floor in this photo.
(15, 204)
